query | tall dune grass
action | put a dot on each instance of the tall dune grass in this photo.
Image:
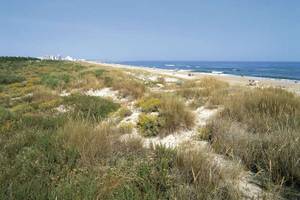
(206, 91)
(261, 127)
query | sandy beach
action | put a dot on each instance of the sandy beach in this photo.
(290, 85)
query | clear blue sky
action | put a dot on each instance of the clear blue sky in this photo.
(152, 29)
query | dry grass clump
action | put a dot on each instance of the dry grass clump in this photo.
(129, 87)
(87, 81)
(41, 99)
(42, 94)
(265, 110)
(126, 127)
(207, 180)
(174, 114)
(261, 127)
(93, 144)
(207, 90)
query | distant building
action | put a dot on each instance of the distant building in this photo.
(58, 57)
(69, 58)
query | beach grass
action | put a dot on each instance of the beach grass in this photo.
(261, 127)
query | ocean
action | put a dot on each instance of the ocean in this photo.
(277, 70)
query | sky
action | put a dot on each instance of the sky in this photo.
(123, 30)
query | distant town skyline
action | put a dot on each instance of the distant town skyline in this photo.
(224, 30)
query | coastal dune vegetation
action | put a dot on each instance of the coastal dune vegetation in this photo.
(62, 124)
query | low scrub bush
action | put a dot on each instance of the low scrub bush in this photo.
(41, 121)
(99, 72)
(123, 112)
(54, 81)
(94, 108)
(22, 108)
(5, 100)
(11, 78)
(149, 104)
(172, 116)
(7, 119)
(49, 105)
(149, 125)
(2, 88)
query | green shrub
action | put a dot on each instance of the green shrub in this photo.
(2, 88)
(50, 81)
(99, 72)
(53, 81)
(41, 122)
(149, 125)
(149, 104)
(5, 100)
(16, 58)
(22, 108)
(123, 112)
(5, 115)
(32, 163)
(10, 78)
(95, 108)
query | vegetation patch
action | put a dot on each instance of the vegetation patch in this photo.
(175, 115)
(11, 78)
(261, 127)
(149, 104)
(53, 81)
(149, 125)
(90, 107)
(126, 127)
(207, 91)
(129, 87)
(123, 112)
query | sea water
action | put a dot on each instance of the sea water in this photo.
(278, 70)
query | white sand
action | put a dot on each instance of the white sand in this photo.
(175, 139)
(62, 109)
(107, 93)
(65, 94)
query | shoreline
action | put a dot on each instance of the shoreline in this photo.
(290, 85)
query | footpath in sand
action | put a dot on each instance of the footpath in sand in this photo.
(187, 139)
